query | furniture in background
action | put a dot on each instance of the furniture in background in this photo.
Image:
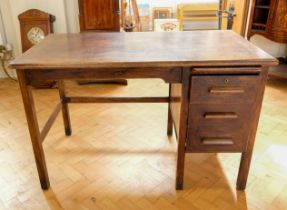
(160, 13)
(204, 15)
(130, 18)
(198, 15)
(144, 16)
(99, 15)
(269, 19)
(35, 25)
(166, 25)
(214, 98)
(103, 16)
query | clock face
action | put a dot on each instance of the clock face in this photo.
(35, 35)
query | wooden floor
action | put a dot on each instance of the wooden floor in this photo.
(119, 156)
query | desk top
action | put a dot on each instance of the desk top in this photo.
(142, 49)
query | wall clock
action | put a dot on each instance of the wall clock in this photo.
(35, 35)
(34, 26)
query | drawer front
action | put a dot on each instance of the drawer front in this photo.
(224, 89)
(219, 127)
(218, 142)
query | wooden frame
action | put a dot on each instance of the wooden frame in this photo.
(38, 137)
(202, 11)
(27, 77)
(157, 11)
(178, 73)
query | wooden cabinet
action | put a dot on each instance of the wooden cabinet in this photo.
(269, 18)
(221, 109)
(221, 114)
(99, 15)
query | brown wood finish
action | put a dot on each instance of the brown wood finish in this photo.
(169, 114)
(34, 18)
(226, 70)
(175, 102)
(228, 102)
(65, 108)
(193, 104)
(32, 121)
(278, 22)
(268, 18)
(224, 89)
(183, 126)
(99, 15)
(213, 121)
(219, 120)
(247, 154)
(116, 99)
(50, 121)
(173, 75)
(102, 16)
(143, 50)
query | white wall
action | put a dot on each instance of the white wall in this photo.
(12, 8)
(16, 7)
(7, 30)
(72, 15)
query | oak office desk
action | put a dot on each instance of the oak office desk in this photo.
(216, 79)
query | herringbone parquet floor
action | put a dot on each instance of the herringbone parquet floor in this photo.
(119, 156)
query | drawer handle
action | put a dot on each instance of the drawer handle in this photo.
(220, 115)
(217, 141)
(219, 90)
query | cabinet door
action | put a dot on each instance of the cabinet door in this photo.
(99, 15)
(278, 21)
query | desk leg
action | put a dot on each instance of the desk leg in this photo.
(169, 118)
(34, 129)
(247, 155)
(182, 129)
(65, 108)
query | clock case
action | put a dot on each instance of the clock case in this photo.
(35, 18)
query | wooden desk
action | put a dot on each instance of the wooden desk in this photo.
(216, 79)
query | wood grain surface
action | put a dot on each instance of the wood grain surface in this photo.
(143, 49)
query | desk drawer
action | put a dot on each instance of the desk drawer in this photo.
(224, 89)
(218, 142)
(221, 128)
